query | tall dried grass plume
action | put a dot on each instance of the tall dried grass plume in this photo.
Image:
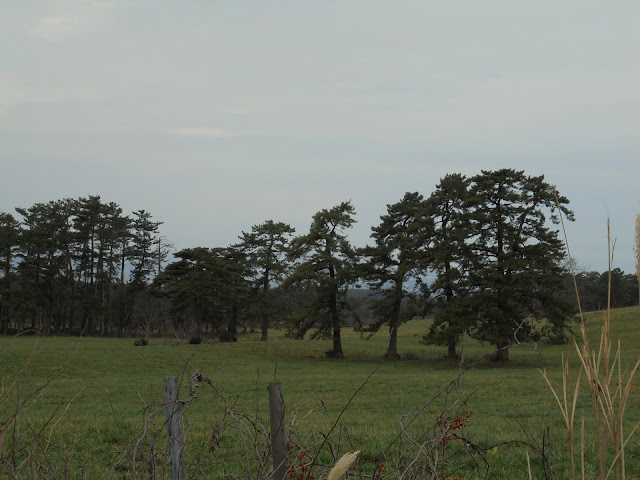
(636, 248)
(343, 465)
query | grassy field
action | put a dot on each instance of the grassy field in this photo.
(89, 417)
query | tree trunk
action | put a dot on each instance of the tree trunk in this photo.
(232, 323)
(196, 331)
(4, 314)
(4, 321)
(336, 352)
(90, 323)
(392, 348)
(264, 327)
(451, 345)
(196, 322)
(451, 350)
(502, 352)
(265, 317)
(394, 321)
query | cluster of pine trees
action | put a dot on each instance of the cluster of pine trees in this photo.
(595, 294)
(481, 253)
(75, 265)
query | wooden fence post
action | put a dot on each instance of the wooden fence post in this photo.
(278, 434)
(174, 440)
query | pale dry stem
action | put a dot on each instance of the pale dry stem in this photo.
(609, 395)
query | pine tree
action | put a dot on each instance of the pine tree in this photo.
(515, 257)
(9, 246)
(142, 254)
(207, 284)
(46, 268)
(447, 207)
(265, 248)
(327, 260)
(400, 256)
(91, 243)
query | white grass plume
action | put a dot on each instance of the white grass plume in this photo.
(343, 465)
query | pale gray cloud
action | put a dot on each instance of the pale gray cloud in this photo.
(209, 132)
(17, 90)
(67, 20)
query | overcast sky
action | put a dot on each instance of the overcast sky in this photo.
(217, 115)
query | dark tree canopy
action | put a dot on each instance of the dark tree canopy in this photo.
(10, 298)
(598, 290)
(67, 265)
(207, 284)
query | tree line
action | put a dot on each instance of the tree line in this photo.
(482, 254)
(76, 265)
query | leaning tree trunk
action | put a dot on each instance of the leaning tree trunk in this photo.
(394, 321)
(392, 348)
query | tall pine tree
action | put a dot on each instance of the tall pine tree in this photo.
(515, 256)
(447, 206)
(327, 260)
(265, 248)
(397, 263)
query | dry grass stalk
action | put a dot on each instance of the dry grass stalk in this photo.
(609, 392)
(567, 409)
(342, 465)
(636, 249)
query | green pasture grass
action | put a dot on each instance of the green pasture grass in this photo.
(97, 402)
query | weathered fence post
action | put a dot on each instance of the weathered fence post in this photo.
(174, 440)
(278, 434)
